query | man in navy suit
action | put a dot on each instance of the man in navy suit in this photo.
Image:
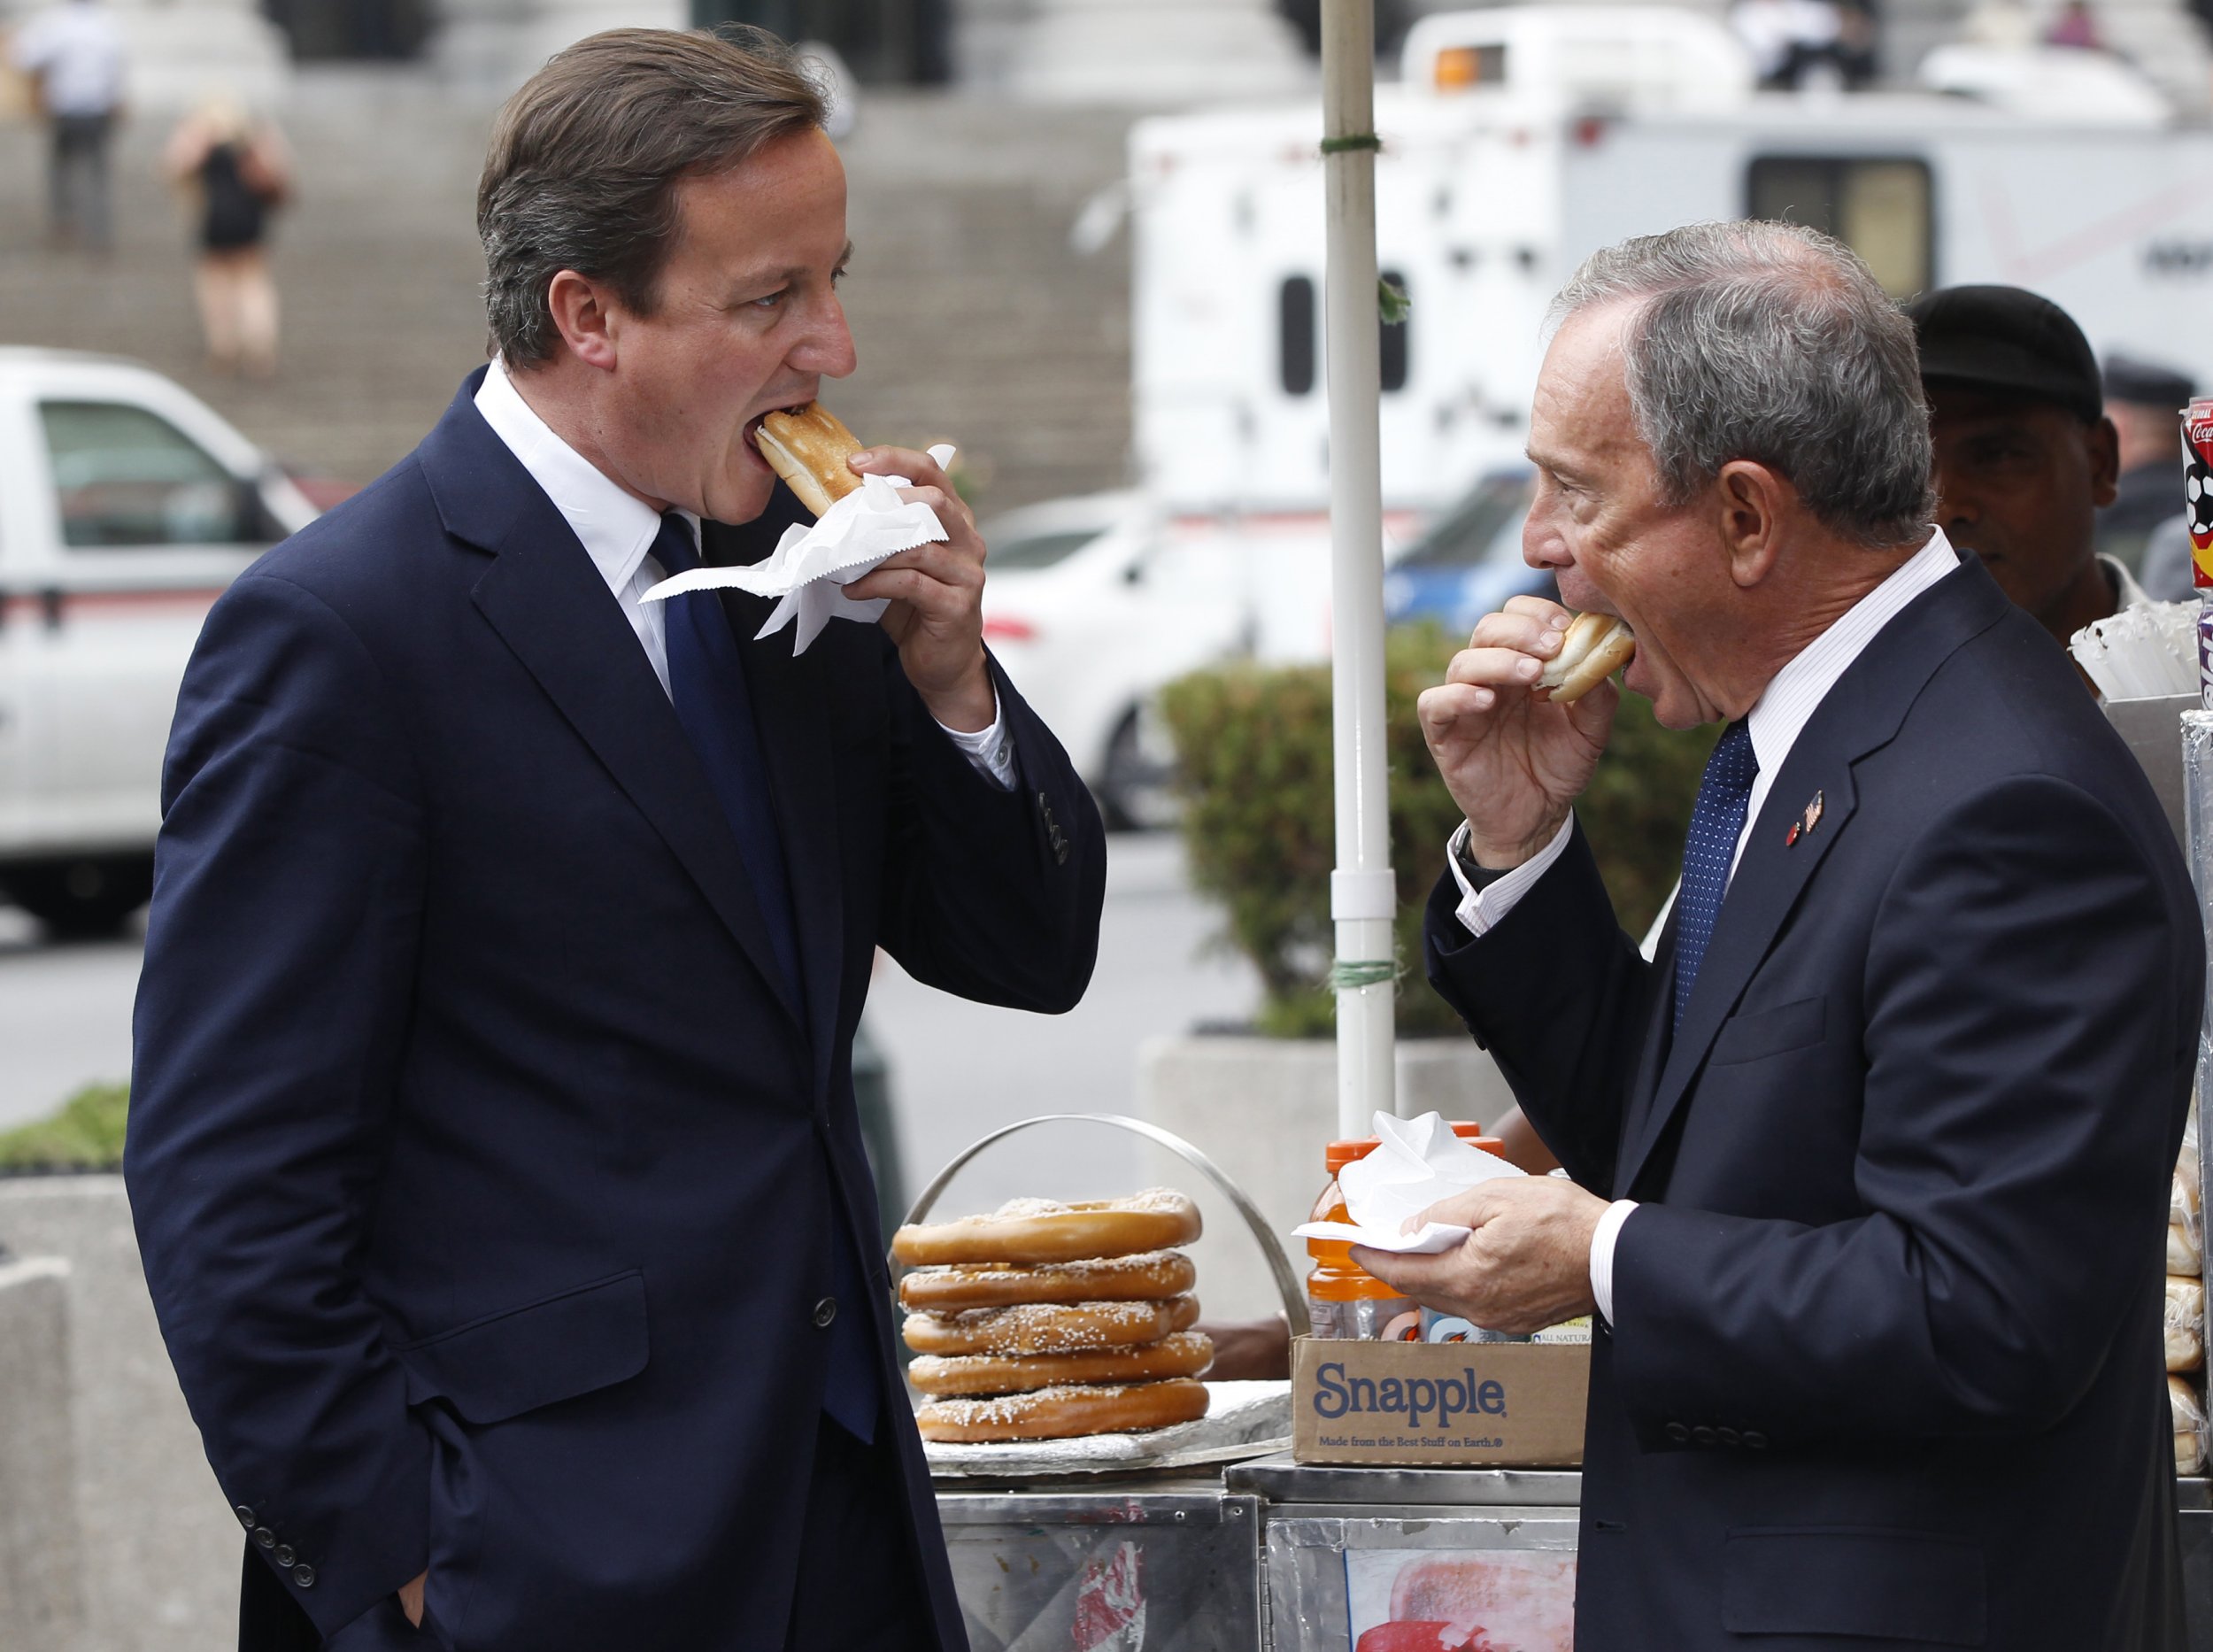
(1871, 1164)
(493, 1147)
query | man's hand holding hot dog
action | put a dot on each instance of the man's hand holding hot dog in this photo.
(936, 596)
(1515, 762)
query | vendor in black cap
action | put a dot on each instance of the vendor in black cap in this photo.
(2025, 457)
(2144, 401)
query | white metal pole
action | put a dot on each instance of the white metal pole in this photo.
(1363, 896)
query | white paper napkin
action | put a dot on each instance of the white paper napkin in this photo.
(810, 567)
(1416, 1162)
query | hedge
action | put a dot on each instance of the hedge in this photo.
(1253, 767)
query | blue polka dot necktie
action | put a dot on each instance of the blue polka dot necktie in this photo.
(706, 683)
(1716, 822)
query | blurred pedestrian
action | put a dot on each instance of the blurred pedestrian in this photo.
(237, 171)
(2025, 455)
(74, 54)
(2145, 400)
(2075, 28)
(1794, 43)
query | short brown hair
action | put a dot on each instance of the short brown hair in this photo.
(585, 159)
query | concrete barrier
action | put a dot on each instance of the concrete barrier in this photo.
(156, 1549)
(41, 1563)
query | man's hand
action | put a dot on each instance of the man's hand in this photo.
(1527, 1264)
(411, 1599)
(1514, 765)
(937, 595)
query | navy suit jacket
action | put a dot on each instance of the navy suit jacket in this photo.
(1886, 1366)
(484, 1170)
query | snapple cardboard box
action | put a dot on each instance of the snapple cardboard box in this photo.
(1446, 1404)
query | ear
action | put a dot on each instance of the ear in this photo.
(2102, 442)
(1749, 501)
(580, 308)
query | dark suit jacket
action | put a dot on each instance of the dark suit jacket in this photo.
(484, 1170)
(1885, 1364)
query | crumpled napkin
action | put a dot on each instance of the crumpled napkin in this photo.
(1418, 1162)
(810, 567)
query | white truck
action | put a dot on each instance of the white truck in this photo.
(1521, 139)
(125, 507)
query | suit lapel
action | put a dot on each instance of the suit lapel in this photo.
(791, 695)
(548, 602)
(1858, 717)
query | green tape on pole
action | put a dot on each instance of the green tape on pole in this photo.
(1351, 142)
(1350, 976)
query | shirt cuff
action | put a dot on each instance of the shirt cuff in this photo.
(991, 750)
(1481, 910)
(1603, 1239)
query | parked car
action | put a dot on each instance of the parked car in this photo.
(1468, 561)
(1092, 604)
(125, 507)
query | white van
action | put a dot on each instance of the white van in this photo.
(1521, 139)
(125, 507)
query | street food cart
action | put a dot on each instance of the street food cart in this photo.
(1201, 1542)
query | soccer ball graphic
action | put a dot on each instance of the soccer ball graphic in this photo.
(2197, 489)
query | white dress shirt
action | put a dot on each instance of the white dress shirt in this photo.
(77, 52)
(617, 529)
(1774, 722)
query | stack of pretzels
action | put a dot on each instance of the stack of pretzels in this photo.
(1046, 1321)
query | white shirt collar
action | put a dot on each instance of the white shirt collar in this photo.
(1792, 697)
(616, 527)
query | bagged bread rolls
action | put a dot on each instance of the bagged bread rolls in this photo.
(2186, 1321)
(2186, 1227)
(2189, 1426)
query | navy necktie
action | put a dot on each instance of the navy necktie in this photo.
(1716, 821)
(706, 683)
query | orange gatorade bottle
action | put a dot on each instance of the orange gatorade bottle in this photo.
(1342, 1300)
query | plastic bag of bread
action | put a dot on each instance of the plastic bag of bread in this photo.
(2189, 1426)
(2186, 1161)
(2186, 1323)
(2185, 1226)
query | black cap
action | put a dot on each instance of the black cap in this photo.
(2133, 378)
(2003, 339)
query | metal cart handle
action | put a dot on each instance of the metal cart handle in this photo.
(1278, 1264)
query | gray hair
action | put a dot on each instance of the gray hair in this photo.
(1772, 343)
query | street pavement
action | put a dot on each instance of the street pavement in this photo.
(957, 1069)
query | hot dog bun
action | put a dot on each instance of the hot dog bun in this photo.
(1596, 646)
(808, 448)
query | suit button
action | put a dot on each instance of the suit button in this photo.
(303, 1575)
(1679, 1434)
(1703, 1435)
(1755, 1440)
(825, 1311)
(1730, 1437)
(1061, 854)
(265, 1537)
(286, 1554)
(245, 1517)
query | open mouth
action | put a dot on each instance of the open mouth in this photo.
(752, 425)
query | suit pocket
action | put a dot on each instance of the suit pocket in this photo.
(574, 1342)
(1765, 1032)
(1873, 1582)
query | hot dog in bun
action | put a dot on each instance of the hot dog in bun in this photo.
(1596, 646)
(808, 447)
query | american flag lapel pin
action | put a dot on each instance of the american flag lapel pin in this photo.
(1804, 824)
